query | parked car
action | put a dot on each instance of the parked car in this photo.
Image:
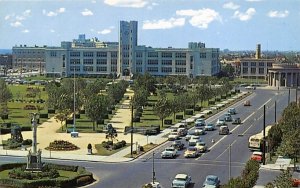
(224, 130)
(169, 152)
(201, 146)
(247, 103)
(257, 156)
(250, 87)
(191, 152)
(181, 181)
(209, 127)
(177, 144)
(236, 120)
(220, 122)
(173, 136)
(153, 185)
(199, 122)
(211, 181)
(232, 111)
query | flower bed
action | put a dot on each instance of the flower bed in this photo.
(61, 145)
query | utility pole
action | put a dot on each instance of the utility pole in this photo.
(131, 131)
(229, 162)
(153, 172)
(289, 96)
(264, 138)
(275, 111)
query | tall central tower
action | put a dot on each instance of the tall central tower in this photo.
(127, 45)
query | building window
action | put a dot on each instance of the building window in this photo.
(261, 71)
(88, 68)
(88, 61)
(269, 64)
(166, 69)
(101, 54)
(166, 62)
(101, 61)
(152, 62)
(180, 55)
(114, 61)
(125, 54)
(180, 62)
(166, 54)
(75, 54)
(253, 70)
(139, 54)
(88, 54)
(126, 62)
(53, 54)
(101, 69)
(245, 64)
(77, 68)
(152, 69)
(113, 54)
(261, 64)
(202, 55)
(253, 64)
(180, 70)
(152, 54)
(74, 61)
(113, 69)
(139, 69)
(139, 62)
(245, 70)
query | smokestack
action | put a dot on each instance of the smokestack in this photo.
(258, 52)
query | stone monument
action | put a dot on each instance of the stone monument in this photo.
(34, 161)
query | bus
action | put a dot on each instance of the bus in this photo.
(256, 141)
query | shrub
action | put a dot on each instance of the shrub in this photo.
(27, 142)
(142, 149)
(61, 145)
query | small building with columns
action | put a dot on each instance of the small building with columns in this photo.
(284, 75)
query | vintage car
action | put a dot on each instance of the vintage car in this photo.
(181, 181)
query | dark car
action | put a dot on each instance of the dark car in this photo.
(236, 120)
(178, 144)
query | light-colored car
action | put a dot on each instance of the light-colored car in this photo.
(220, 122)
(199, 122)
(209, 127)
(173, 136)
(250, 87)
(224, 130)
(153, 185)
(181, 181)
(191, 152)
(169, 152)
(211, 181)
(227, 118)
(247, 103)
(201, 146)
(232, 111)
(200, 131)
(182, 131)
(236, 120)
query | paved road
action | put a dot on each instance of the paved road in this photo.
(135, 174)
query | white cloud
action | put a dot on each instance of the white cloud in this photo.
(150, 7)
(231, 5)
(94, 1)
(54, 13)
(20, 18)
(16, 24)
(52, 30)
(163, 23)
(127, 3)
(104, 32)
(278, 14)
(200, 18)
(87, 12)
(244, 16)
(7, 17)
(25, 31)
(27, 12)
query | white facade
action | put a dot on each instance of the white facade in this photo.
(255, 68)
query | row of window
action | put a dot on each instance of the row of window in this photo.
(253, 70)
(163, 69)
(253, 64)
(91, 69)
(91, 54)
(91, 61)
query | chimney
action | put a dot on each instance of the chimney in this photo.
(258, 52)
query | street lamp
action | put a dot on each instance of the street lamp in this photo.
(131, 131)
(153, 172)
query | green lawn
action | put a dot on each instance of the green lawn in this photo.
(249, 81)
(100, 150)
(63, 174)
(146, 147)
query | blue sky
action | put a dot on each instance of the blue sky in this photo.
(234, 25)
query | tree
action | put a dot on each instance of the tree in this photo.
(274, 138)
(140, 98)
(284, 180)
(145, 80)
(5, 96)
(111, 133)
(227, 70)
(162, 109)
(96, 108)
(175, 106)
(62, 116)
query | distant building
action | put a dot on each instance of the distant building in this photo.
(284, 75)
(255, 67)
(6, 61)
(26, 58)
(91, 57)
